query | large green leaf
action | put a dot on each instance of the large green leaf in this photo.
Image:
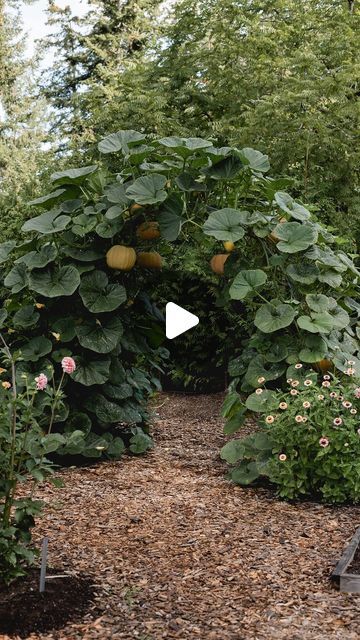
(98, 295)
(186, 182)
(286, 203)
(184, 146)
(170, 225)
(5, 250)
(60, 281)
(303, 272)
(245, 473)
(256, 160)
(111, 412)
(261, 403)
(271, 317)
(89, 372)
(232, 451)
(39, 259)
(148, 189)
(47, 223)
(109, 228)
(340, 317)
(330, 277)
(326, 257)
(49, 199)
(225, 224)
(314, 350)
(83, 255)
(115, 193)
(120, 141)
(17, 278)
(317, 323)
(260, 368)
(140, 442)
(35, 349)
(100, 336)
(25, 317)
(83, 224)
(294, 236)
(73, 176)
(319, 302)
(247, 282)
(66, 327)
(226, 169)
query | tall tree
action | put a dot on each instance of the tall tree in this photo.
(96, 84)
(21, 123)
(281, 75)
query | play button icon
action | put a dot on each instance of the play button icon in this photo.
(178, 320)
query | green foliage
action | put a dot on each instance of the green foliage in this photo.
(313, 441)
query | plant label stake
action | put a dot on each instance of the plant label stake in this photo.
(44, 553)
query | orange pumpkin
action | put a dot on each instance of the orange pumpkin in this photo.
(148, 231)
(323, 366)
(135, 207)
(121, 257)
(217, 263)
(149, 260)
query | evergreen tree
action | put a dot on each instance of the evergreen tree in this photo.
(97, 82)
(21, 124)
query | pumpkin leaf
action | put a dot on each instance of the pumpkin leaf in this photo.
(25, 317)
(271, 317)
(257, 161)
(17, 278)
(261, 403)
(317, 323)
(225, 224)
(98, 295)
(319, 302)
(39, 259)
(101, 337)
(247, 282)
(303, 272)
(5, 250)
(294, 237)
(170, 225)
(120, 141)
(89, 372)
(315, 349)
(48, 199)
(35, 349)
(60, 281)
(148, 189)
(73, 176)
(47, 223)
(286, 203)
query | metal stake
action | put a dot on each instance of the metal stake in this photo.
(44, 553)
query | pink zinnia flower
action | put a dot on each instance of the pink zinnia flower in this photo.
(347, 404)
(326, 377)
(258, 391)
(326, 384)
(298, 418)
(68, 365)
(353, 411)
(6, 385)
(350, 372)
(306, 404)
(41, 382)
(294, 392)
(295, 383)
(323, 442)
(282, 457)
(357, 392)
(261, 380)
(320, 397)
(298, 366)
(333, 394)
(269, 419)
(283, 406)
(308, 383)
(337, 421)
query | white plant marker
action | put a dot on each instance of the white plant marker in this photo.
(44, 552)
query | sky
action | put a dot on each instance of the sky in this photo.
(34, 18)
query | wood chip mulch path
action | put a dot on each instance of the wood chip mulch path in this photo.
(178, 552)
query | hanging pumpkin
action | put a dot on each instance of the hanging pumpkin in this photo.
(272, 236)
(149, 260)
(148, 231)
(135, 207)
(229, 246)
(323, 366)
(217, 263)
(120, 257)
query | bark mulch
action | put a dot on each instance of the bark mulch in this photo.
(178, 552)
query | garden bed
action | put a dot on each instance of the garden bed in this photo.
(178, 552)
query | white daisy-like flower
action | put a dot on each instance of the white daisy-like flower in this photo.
(283, 406)
(320, 397)
(289, 380)
(337, 422)
(295, 383)
(304, 419)
(306, 404)
(308, 383)
(346, 404)
(298, 365)
(350, 372)
(294, 392)
(282, 457)
(258, 391)
(350, 362)
(261, 380)
(326, 377)
(269, 419)
(326, 384)
(298, 418)
(346, 444)
(353, 411)
(333, 394)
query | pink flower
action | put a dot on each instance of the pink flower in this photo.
(283, 406)
(350, 372)
(333, 394)
(282, 457)
(306, 404)
(326, 377)
(320, 397)
(308, 383)
(298, 418)
(294, 392)
(269, 419)
(41, 382)
(298, 366)
(357, 392)
(323, 442)
(353, 411)
(337, 422)
(258, 391)
(326, 384)
(68, 365)
(346, 404)
(295, 383)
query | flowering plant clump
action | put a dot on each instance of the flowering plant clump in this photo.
(29, 408)
(315, 438)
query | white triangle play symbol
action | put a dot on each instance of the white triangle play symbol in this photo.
(178, 320)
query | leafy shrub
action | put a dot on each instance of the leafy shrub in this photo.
(26, 439)
(309, 444)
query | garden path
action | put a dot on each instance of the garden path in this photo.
(178, 552)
